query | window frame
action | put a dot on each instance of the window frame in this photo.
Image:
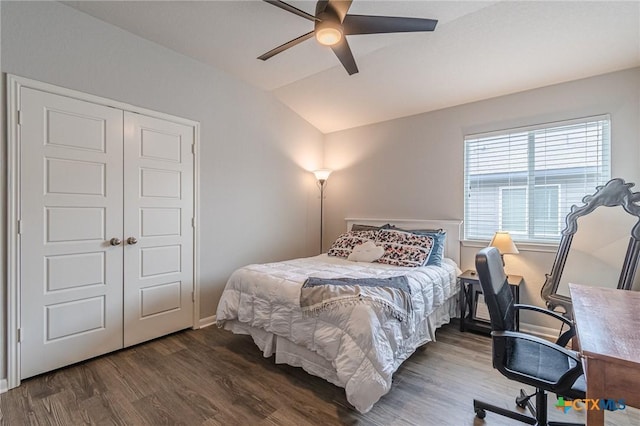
(557, 185)
(595, 168)
(501, 189)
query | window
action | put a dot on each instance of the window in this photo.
(525, 180)
(513, 218)
(547, 200)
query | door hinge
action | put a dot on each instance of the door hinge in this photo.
(19, 335)
(19, 227)
(193, 296)
(19, 113)
(193, 222)
(193, 148)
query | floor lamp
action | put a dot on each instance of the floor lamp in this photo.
(321, 176)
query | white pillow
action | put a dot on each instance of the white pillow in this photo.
(366, 252)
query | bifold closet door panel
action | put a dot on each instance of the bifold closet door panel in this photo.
(158, 252)
(71, 203)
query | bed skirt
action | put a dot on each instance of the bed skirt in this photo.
(287, 352)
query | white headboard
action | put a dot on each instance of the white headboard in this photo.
(453, 227)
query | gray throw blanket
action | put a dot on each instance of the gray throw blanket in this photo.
(392, 294)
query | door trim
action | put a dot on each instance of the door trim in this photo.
(14, 84)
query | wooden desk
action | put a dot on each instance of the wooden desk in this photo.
(608, 329)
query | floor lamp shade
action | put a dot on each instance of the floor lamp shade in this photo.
(322, 174)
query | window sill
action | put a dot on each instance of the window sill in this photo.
(539, 247)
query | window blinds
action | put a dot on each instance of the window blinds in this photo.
(525, 180)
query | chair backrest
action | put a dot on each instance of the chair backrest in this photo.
(496, 289)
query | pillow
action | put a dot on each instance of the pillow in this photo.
(344, 244)
(359, 227)
(366, 252)
(404, 248)
(437, 252)
(439, 236)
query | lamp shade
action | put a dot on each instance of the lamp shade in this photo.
(328, 36)
(328, 32)
(503, 242)
(322, 174)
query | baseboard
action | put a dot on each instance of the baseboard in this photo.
(544, 332)
(206, 322)
(4, 385)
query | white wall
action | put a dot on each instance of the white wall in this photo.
(412, 167)
(258, 201)
(3, 289)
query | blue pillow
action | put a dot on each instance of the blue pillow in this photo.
(437, 251)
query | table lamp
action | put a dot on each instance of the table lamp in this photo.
(503, 242)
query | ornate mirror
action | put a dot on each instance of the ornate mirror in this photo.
(599, 246)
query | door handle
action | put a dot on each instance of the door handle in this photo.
(131, 240)
(115, 241)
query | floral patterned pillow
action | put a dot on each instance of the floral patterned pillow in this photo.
(404, 248)
(344, 244)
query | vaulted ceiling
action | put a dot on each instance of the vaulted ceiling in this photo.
(479, 50)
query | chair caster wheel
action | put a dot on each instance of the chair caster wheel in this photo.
(521, 402)
(481, 414)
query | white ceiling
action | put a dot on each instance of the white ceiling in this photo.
(480, 49)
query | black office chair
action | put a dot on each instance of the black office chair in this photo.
(522, 357)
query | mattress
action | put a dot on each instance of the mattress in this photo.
(356, 347)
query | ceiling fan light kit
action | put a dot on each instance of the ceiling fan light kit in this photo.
(328, 33)
(332, 24)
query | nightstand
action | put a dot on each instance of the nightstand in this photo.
(473, 311)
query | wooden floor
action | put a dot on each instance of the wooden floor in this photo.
(213, 377)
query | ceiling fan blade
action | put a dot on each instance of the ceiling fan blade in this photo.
(364, 24)
(341, 7)
(285, 46)
(343, 52)
(289, 8)
(321, 6)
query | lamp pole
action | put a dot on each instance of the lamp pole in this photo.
(321, 182)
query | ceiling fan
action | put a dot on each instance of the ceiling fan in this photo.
(332, 24)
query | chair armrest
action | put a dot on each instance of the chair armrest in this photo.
(566, 336)
(544, 311)
(517, 335)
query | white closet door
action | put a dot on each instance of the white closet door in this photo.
(158, 198)
(71, 206)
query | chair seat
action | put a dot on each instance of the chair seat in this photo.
(539, 361)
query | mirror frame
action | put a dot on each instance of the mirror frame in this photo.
(616, 192)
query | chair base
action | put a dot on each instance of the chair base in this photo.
(538, 413)
(480, 408)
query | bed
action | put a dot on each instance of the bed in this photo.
(357, 346)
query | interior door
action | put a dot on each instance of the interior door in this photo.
(158, 252)
(71, 206)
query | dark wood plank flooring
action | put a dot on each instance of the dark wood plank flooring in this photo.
(212, 377)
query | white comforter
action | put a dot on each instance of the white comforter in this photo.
(364, 345)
